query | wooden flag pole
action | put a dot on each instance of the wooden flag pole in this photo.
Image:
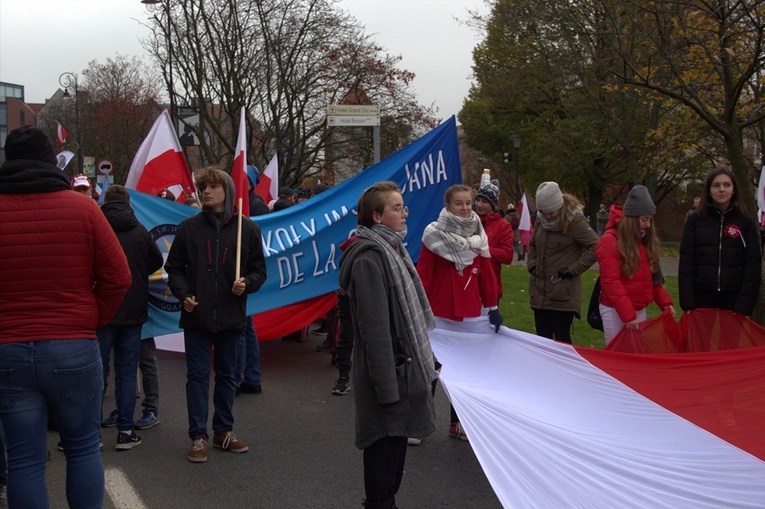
(239, 239)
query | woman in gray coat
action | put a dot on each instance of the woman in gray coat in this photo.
(561, 248)
(393, 365)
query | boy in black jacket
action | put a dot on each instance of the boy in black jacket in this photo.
(123, 333)
(201, 268)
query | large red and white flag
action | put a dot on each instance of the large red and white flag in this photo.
(239, 169)
(160, 163)
(61, 135)
(268, 187)
(554, 425)
(525, 222)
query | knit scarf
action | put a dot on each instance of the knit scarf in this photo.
(457, 239)
(409, 293)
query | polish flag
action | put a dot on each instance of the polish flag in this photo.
(555, 425)
(61, 135)
(160, 163)
(268, 188)
(239, 169)
(525, 222)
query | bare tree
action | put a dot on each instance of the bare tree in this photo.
(284, 61)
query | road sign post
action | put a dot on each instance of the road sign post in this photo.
(357, 115)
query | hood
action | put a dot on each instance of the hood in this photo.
(347, 243)
(120, 216)
(356, 248)
(22, 176)
(615, 216)
(490, 218)
(229, 209)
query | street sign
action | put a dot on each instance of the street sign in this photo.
(366, 110)
(105, 166)
(353, 120)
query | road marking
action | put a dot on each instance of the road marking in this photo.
(120, 491)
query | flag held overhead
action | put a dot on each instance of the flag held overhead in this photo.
(160, 162)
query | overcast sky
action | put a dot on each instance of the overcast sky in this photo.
(40, 39)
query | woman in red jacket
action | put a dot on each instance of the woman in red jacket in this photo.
(498, 231)
(455, 268)
(628, 256)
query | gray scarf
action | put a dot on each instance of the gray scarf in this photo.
(409, 292)
(457, 239)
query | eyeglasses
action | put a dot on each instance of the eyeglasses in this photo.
(401, 210)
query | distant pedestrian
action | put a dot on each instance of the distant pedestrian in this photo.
(201, 271)
(512, 218)
(601, 220)
(695, 208)
(67, 279)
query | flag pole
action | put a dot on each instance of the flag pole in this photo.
(239, 238)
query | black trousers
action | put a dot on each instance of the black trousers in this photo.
(344, 348)
(383, 469)
(554, 324)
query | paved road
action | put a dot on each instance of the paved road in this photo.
(301, 449)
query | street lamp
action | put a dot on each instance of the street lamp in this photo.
(151, 6)
(69, 80)
(516, 146)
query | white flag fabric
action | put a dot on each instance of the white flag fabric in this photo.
(268, 187)
(553, 430)
(63, 158)
(525, 222)
(160, 163)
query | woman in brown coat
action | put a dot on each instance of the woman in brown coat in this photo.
(561, 248)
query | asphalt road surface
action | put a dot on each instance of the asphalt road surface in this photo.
(301, 449)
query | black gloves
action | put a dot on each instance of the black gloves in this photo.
(495, 318)
(564, 273)
(533, 270)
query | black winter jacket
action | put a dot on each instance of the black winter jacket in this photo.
(720, 253)
(202, 263)
(143, 256)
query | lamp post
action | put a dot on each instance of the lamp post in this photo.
(151, 5)
(516, 146)
(69, 80)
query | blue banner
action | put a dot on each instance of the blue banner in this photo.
(301, 243)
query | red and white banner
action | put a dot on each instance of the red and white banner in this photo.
(239, 168)
(555, 425)
(61, 135)
(160, 163)
(525, 222)
(268, 188)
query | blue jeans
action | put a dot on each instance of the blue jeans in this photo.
(199, 344)
(248, 357)
(67, 375)
(126, 341)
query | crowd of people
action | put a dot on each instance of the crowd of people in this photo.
(92, 314)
